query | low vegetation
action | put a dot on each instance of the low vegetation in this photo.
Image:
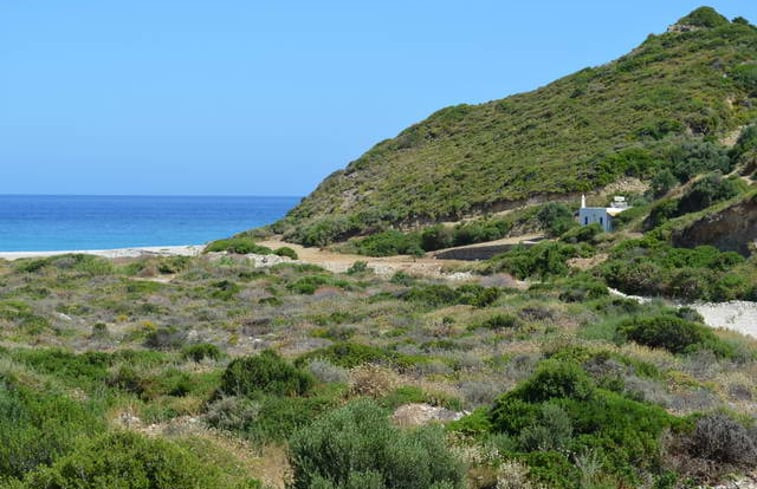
(217, 371)
(566, 385)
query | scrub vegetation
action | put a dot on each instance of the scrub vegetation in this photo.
(647, 113)
(225, 371)
(142, 378)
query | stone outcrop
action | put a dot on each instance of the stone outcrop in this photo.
(732, 229)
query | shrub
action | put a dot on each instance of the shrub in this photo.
(22, 315)
(720, 439)
(662, 182)
(310, 283)
(357, 447)
(165, 338)
(552, 430)
(554, 379)
(499, 321)
(240, 245)
(388, 243)
(555, 218)
(324, 231)
(402, 278)
(267, 373)
(372, 380)
(582, 234)
(542, 260)
(350, 355)
(224, 290)
(695, 157)
(704, 17)
(651, 267)
(201, 351)
(582, 288)
(327, 372)
(674, 334)
(173, 264)
(558, 412)
(279, 417)
(286, 251)
(232, 413)
(480, 231)
(125, 459)
(705, 192)
(36, 429)
(437, 237)
(434, 295)
(357, 267)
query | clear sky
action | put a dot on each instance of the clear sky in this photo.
(248, 97)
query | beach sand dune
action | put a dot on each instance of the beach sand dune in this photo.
(186, 250)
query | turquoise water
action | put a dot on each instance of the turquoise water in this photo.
(46, 223)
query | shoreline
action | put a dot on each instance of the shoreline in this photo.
(131, 252)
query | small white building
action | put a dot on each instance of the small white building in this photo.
(601, 215)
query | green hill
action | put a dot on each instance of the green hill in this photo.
(629, 117)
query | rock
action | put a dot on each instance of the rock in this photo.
(64, 317)
(732, 229)
(419, 414)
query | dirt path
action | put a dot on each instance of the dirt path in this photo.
(340, 262)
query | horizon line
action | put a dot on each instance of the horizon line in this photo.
(154, 195)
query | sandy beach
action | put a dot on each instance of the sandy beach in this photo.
(185, 250)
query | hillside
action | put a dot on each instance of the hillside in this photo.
(629, 117)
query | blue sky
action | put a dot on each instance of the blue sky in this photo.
(267, 98)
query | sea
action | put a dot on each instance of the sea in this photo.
(67, 222)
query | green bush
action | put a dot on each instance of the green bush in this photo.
(389, 243)
(357, 267)
(651, 267)
(558, 414)
(38, 428)
(266, 373)
(201, 351)
(224, 290)
(554, 379)
(276, 417)
(555, 219)
(674, 334)
(551, 431)
(239, 245)
(662, 182)
(350, 355)
(173, 264)
(542, 260)
(437, 295)
(22, 315)
(695, 157)
(499, 321)
(437, 237)
(126, 460)
(704, 17)
(286, 251)
(582, 287)
(324, 231)
(582, 234)
(706, 192)
(481, 230)
(357, 447)
(165, 338)
(310, 283)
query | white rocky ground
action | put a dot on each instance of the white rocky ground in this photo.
(738, 316)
